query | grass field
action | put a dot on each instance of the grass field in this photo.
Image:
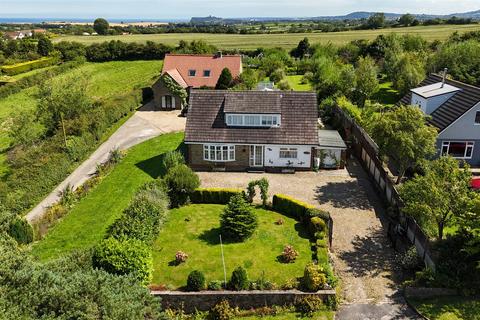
(104, 80)
(295, 83)
(320, 315)
(253, 41)
(88, 220)
(449, 308)
(195, 230)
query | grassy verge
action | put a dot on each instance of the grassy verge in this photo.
(195, 230)
(88, 220)
(295, 83)
(448, 308)
(320, 315)
(286, 40)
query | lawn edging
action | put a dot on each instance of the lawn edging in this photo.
(205, 300)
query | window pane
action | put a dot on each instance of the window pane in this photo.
(225, 153)
(232, 153)
(219, 153)
(212, 152)
(457, 149)
(205, 152)
(477, 117)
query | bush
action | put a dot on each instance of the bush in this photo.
(238, 221)
(291, 207)
(318, 227)
(29, 65)
(410, 260)
(284, 85)
(263, 185)
(314, 278)
(126, 256)
(143, 218)
(172, 159)
(196, 281)
(180, 257)
(239, 280)
(221, 311)
(214, 195)
(181, 182)
(289, 254)
(277, 75)
(309, 305)
(215, 285)
(21, 230)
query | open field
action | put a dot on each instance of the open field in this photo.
(195, 230)
(86, 223)
(449, 308)
(104, 80)
(253, 41)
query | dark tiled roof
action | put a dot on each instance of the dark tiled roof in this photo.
(252, 103)
(455, 107)
(206, 118)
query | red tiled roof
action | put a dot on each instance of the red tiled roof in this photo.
(175, 75)
(182, 63)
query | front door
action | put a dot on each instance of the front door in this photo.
(256, 156)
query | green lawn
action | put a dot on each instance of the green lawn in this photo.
(195, 230)
(286, 40)
(104, 80)
(320, 315)
(86, 223)
(296, 85)
(449, 308)
(386, 94)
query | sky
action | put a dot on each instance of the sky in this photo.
(184, 9)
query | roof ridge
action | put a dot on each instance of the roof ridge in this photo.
(456, 81)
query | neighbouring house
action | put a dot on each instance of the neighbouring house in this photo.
(186, 71)
(275, 131)
(17, 35)
(454, 108)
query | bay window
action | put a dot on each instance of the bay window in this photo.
(458, 149)
(218, 153)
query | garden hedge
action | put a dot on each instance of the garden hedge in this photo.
(213, 195)
(29, 65)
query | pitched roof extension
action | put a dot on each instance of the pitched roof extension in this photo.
(182, 63)
(206, 118)
(453, 108)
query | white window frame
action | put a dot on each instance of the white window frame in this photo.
(469, 145)
(219, 152)
(253, 120)
(288, 153)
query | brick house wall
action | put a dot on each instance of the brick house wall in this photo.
(159, 91)
(196, 162)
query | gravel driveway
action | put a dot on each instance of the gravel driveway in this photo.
(143, 125)
(362, 255)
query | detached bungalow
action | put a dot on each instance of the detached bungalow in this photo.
(252, 130)
(454, 108)
(191, 71)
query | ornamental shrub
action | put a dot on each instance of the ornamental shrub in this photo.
(225, 80)
(172, 159)
(180, 257)
(239, 280)
(196, 281)
(263, 185)
(309, 305)
(314, 277)
(181, 182)
(214, 195)
(21, 230)
(291, 207)
(221, 311)
(215, 285)
(126, 256)
(289, 254)
(238, 220)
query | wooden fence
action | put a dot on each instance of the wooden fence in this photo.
(367, 152)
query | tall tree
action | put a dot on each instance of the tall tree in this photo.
(225, 80)
(44, 46)
(376, 21)
(366, 80)
(404, 135)
(302, 49)
(406, 20)
(101, 26)
(439, 195)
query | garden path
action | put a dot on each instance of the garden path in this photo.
(143, 125)
(361, 253)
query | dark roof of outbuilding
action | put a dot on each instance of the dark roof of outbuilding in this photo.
(453, 108)
(206, 117)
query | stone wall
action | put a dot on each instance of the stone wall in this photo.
(425, 293)
(205, 300)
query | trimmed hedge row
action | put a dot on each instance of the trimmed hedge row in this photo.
(29, 65)
(214, 195)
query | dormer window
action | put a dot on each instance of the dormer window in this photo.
(253, 120)
(206, 73)
(192, 73)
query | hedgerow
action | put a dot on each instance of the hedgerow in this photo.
(18, 68)
(214, 195)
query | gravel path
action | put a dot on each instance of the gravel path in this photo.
(143, 125)
(362, 255)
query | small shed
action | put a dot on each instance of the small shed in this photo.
(331, 150)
